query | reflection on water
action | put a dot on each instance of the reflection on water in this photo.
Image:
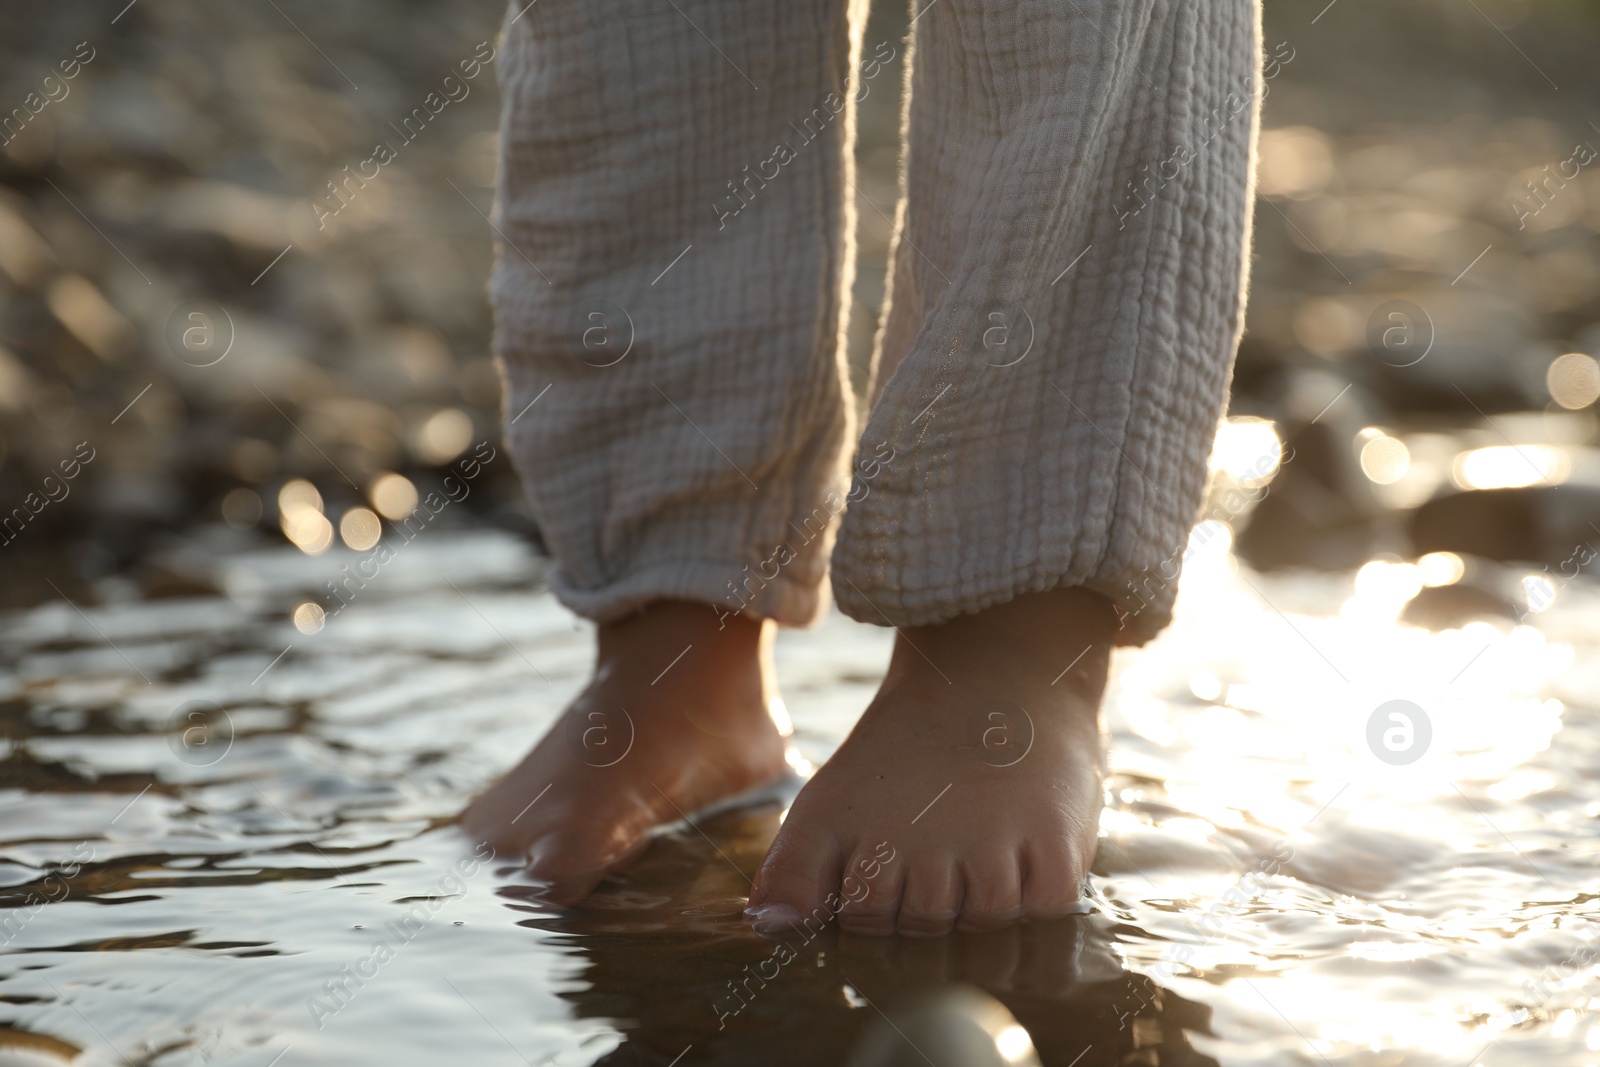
(1330, 839)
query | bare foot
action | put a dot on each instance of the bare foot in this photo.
(679, 715)
(969, 793)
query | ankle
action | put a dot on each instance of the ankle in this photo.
(1067, 632)
(662, 623)
(688, 650)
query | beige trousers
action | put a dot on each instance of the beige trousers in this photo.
(674, 259)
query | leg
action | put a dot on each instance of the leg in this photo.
(669, 297)
(676, 283)
(1067, 297)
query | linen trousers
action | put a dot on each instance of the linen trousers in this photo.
(674, 260)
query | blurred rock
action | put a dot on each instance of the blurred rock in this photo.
(967, 1026)
(1450, 607)
(1537, 524)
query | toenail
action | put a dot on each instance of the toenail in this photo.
(772, 918)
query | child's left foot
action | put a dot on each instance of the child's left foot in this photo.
(969, 793)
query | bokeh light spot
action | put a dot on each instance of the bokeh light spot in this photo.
(393, 496)
(298, 494)
(1509, 467)
(360, 529)
(309, 617)
(310, 531)
(1574, 380)
(1441, 568)
(444, 436)
(1539, 591)
(301, 519)
(1013, 1043)
(1384, 459)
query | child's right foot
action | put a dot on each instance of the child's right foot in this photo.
(678, 716)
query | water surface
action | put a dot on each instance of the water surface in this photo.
(223, 841)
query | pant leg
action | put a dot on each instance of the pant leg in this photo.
(672, 269)
(1066, 298)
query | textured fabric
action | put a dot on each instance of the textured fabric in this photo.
(634, 217)
(1114, 137)
(1066, 297)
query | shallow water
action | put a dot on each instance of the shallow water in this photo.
(187, 888)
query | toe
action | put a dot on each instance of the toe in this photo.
(870, 891)
(562, 877)
(568, 862)
(1051, 883)
(796, 881)
(993, 891)
(931, 900)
